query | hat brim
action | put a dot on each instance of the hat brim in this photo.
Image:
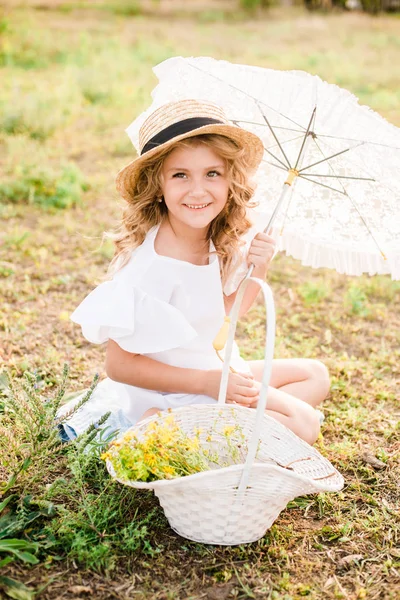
(127, 177)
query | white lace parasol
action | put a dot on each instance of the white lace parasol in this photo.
(343, 209)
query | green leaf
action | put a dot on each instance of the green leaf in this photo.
(26, 464)
(9, 525)
(6, 501)
(26, 557)
(21, 549)
(14, 476)
(6, 561)
(16, 589)
(16, 544)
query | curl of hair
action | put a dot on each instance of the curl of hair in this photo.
(142, 211)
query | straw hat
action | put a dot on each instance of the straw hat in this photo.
(179, 120)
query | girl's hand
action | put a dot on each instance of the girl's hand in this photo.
(261, 252)
(242, 388)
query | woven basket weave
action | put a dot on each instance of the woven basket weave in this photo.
(236, 504)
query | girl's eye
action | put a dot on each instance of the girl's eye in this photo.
(212, 174)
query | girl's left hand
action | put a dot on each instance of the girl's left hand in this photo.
(261, 252)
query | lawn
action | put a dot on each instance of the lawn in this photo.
(73, 76)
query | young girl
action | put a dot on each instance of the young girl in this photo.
(180, 256)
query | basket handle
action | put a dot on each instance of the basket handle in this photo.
(269, 354)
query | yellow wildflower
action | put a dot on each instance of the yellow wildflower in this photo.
(150, 459)
(228, 430)
(168, 470)
(169, 420)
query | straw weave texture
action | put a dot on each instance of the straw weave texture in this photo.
(172, 113)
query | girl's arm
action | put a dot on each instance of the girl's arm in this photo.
(260, 254)
(144, 372)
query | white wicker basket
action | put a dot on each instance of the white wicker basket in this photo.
(236, 504)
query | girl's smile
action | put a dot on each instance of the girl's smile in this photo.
(197, 206)
(194, 185)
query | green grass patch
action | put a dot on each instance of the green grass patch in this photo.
(45, 187)
(313, 292)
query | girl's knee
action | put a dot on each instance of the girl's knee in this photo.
(308, 423)
(320, 375)
(149, 413)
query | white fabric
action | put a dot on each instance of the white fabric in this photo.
(341, 228)
(167, 309)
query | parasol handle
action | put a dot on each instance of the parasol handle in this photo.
(221, 338)
(268, 357)
(270, 336)
(285, 189)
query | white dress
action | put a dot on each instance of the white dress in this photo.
(167, 309)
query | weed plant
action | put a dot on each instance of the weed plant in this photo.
(57, 498)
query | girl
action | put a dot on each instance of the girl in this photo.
(180, 256)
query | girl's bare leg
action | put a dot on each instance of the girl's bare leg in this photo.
(304, 378)
(295, 414)
(296, 387)
(149, 413)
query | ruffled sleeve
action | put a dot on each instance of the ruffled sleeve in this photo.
(139, 322)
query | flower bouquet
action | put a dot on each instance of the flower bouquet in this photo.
(166, 451)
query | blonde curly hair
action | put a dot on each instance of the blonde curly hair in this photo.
(142, 211)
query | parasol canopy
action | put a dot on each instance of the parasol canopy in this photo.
(340, 207)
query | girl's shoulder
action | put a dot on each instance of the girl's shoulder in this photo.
(134, 308)
(139, 261)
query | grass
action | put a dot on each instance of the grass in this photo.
(72, 78)
(43, 187)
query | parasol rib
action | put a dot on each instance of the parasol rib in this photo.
(276, 139)
(340, 177)
(329, 157)
(274, 165)
(236, 121)
(334, 137)
(382, 184)
(286, 141)
(319, 135)
(329, 164)
(277, 159)
(306, 136)
(322, 185)
(363, 220)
